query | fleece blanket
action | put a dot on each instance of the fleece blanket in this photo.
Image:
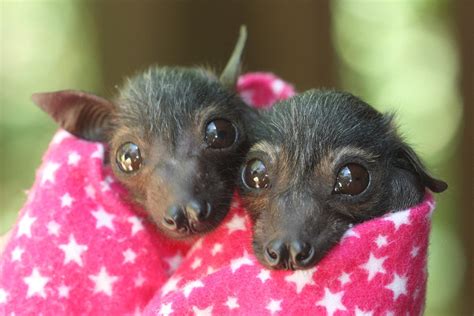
(378, 268)
(81, 247)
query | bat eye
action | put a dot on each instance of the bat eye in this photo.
(352, 179)
(220, 133)
(128, 157)
(255, 175)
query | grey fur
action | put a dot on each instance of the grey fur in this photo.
(311, 136)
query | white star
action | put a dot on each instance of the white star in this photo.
(53, 228)
(197, 245)
(398, 286)
(350, 233)
(49, 171)
(216, 249)
(196, 263)
(103, 219)
(232, 302)
(274, 306)
(203, 312)
(66, 200)
(416, 293)
(236, 223)
(24, 226)
(60, 136)
(414, 251)
(374, 265)
(235, 264)
(103, 281)
(431, 205)
(36, 283)
(235, 204)
(264, 275)
(381, 241)
(301, 278)
(174, 262)
(210, 270)
(332, 302)
(136, 224)
(104, 186)
(399, 218)
(247, 96)
(73, 251)
(63, 291)
(139, 280)
(170, 286)
(190, 286)
(165, 309)
(17, 253)
(73, 158)
(277, 86)
(90, 191)
(129, 256)
(344, 278)
(3, 296)
(99, 152)
(137, 311)
(359, 312)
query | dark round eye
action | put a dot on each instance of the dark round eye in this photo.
(220, 133)
(128, 157)
(352, 179)
(255, 175)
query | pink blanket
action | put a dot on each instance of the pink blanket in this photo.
(379, 268)
(80, 247)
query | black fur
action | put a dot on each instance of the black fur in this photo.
(304, 141)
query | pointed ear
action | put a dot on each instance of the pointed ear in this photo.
(411, 161)
(232, 69)
(82, 114)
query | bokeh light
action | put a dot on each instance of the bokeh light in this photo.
(401, 57)
(45, 46)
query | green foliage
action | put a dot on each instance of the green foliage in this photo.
(45, 46)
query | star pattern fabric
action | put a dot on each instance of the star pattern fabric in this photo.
(79, 247)
(363, 275)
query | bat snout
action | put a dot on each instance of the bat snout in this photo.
(188, 218)
(291, 254)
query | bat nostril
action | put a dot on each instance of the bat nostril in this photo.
(301, 254)
(198, 211)
(169, 221)
(272, 254)
(175, 218)
(276, 254)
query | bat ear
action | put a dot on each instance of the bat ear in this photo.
(414, 164)
(232, 69)
(82, 114)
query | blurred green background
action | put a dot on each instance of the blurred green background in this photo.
(401, 56)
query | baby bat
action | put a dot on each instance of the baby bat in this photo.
(323, 161)
(176, 138)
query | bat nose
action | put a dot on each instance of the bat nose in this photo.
(301, 254)
(175, 218)
(198, 211)
(295, 254)
(186, 218)
(276, 253)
